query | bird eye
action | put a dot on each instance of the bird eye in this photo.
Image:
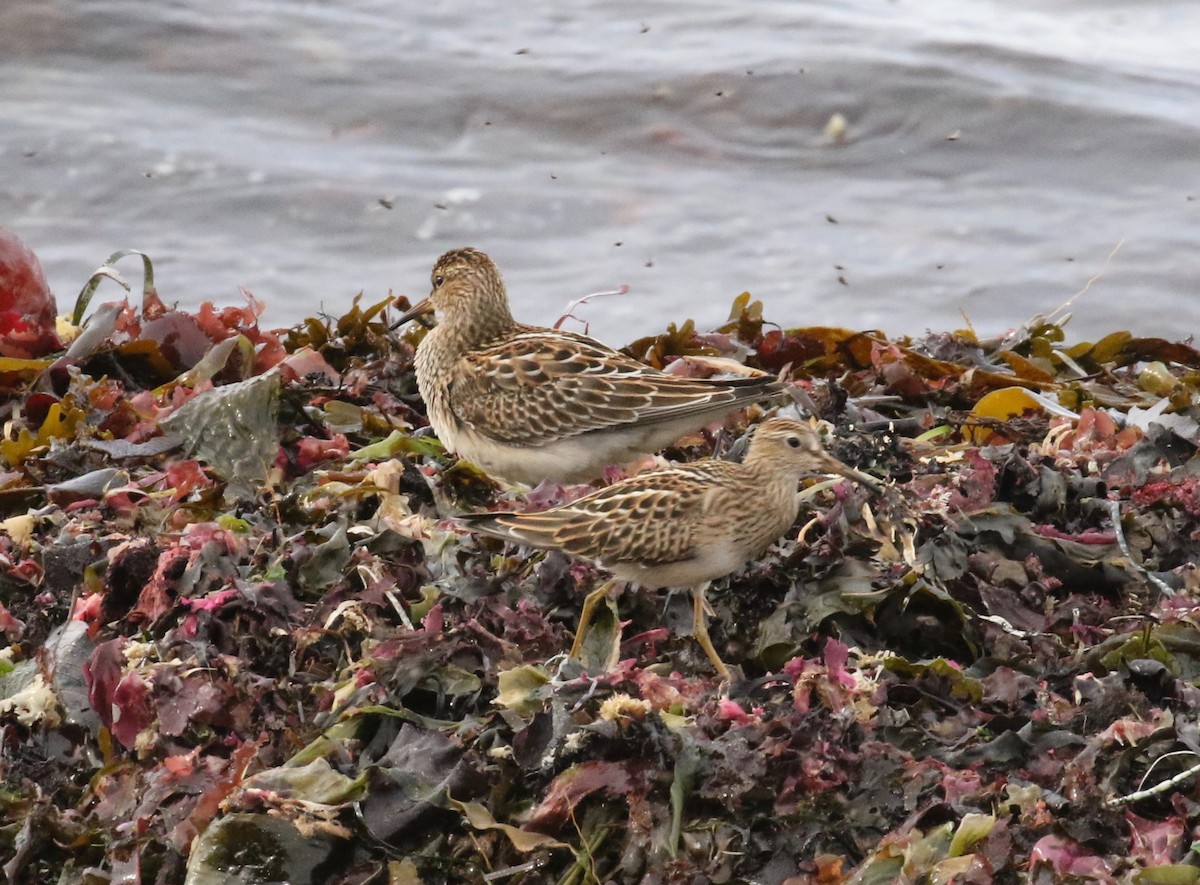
(438, 280)
(794, 442)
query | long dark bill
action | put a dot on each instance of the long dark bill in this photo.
(834, 466)
(421, 308)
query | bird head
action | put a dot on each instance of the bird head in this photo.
(467, 291)
(792, 446)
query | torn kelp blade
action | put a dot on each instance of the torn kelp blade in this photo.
(233, 428)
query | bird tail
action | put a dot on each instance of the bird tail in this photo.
(506, 527)
(687, 397)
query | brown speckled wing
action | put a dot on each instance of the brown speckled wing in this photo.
(651, 518)
(537, 387)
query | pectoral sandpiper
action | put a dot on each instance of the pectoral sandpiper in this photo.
(684, 525)
(527, 403)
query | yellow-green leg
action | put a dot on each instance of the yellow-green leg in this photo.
(700, 631)
(585, 617)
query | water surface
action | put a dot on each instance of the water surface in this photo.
(995, 155)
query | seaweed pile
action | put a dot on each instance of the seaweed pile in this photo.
(244, 641)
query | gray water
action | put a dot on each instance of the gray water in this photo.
(995, 155)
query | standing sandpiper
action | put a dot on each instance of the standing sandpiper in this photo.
(528, 403)
(684, 525)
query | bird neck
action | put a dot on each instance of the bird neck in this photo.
(468, 329)
(775, 481)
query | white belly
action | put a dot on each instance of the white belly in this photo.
(571, 460)
(711, 562)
